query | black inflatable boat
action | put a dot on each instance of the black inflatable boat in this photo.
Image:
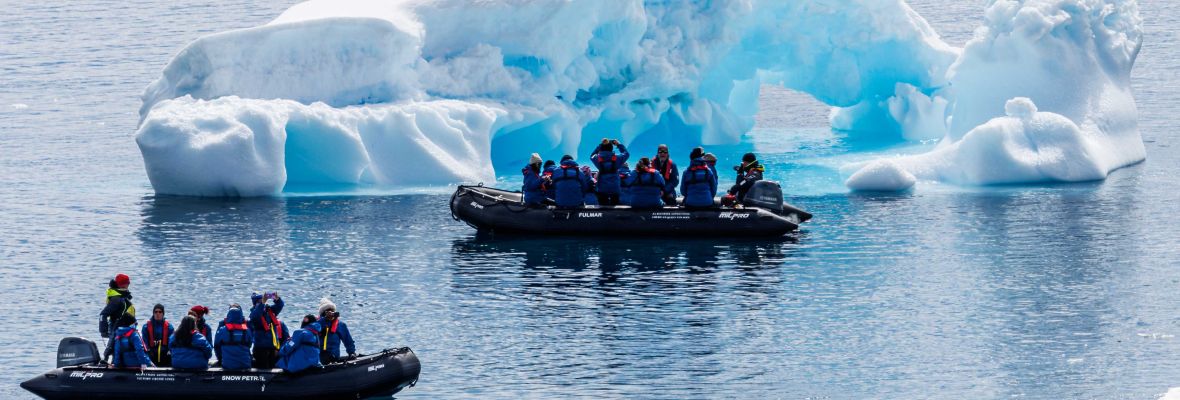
(500, 211)
(80, 376)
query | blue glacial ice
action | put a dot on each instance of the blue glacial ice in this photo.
(422, 92)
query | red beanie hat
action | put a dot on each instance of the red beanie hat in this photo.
(122, 280)
(199, 310)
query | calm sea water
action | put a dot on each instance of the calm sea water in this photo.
(1044, 292)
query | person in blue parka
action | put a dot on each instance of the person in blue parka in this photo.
(698, 185)
(190, 349)
(589, 186)
(547, 188)
(569, 184)
(624, 186)
(667, 169)
(334, 332)
(646, 185)
(302, 350)
(533, 182)
(608, 163)
(155, 334)
(128, 347)
(269, 332)
(232, 343)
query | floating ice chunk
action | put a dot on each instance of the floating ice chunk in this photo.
(1172, 394)
(20, 106)
(1060, 74)
(881, 175)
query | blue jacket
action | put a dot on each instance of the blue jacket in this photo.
(570, 185)
(698, 184)
(232, 343)
(193, 356)
(532, 186)
(589, 188)
(129, 349)
(332, 335)
(669, 172)
(624, 185)
(269, 332)
(608, 164)
(155, 335)
(301, 351)
(646, 188)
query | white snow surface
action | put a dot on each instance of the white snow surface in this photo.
(422, 92)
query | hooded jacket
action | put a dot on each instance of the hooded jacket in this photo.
(746, 176)
(129, 350)
(608, 164)
(624, 185)
(155, 335)
(570, 185)
(193, 355)
(698, 185)
(646, 188)
(232, 343)
(301, 351)
(269, 332)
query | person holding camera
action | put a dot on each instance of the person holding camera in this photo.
(748, 172)
(269, 332)
(608, 164)
(333, 332)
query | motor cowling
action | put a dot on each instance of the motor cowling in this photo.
(765, 194)
(73, 351)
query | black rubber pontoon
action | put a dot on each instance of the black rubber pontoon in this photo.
(380, 374)
(500, 211)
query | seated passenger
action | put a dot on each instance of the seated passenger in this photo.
(667, 169)
(698, 185)
(608, 163)
(547, 190)
(624, 186)
(190, 349)
(232, 343)
(199, 312)
(590, 186)
(646, 186)
(156, 332)
(302, 350)
(532, 187)
(569, 184)
(748, 172)
(128, 346)
(711, 161)
(334, 332)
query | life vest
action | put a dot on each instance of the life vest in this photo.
(274, 327)
(608, 167)
(564, 174)
(128, 308)
(645, 177)
(125, 342)
(237, 333)
(152, 334)
(328, 330)
(698, 174)
(665, 170)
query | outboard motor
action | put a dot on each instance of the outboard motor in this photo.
(73, 351)
(765, 194)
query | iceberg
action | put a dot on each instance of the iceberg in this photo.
(434, 92)
(1041, 93)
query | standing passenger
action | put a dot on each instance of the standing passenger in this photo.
(190, 349)
(157, 331)
(532, 187)
(118, 303)
(698, 185)
(269, 332)
(608, 164)
(667, 169)
(646, 185)
(569, 184)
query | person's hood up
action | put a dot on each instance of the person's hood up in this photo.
(234, 316)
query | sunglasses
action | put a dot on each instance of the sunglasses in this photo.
(662, 152)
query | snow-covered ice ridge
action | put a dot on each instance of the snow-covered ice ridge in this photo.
(414, 92)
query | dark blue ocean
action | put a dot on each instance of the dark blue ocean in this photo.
(1059, 291)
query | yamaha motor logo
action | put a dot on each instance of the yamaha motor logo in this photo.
(589, 215)
(85, 375)
(730, 215)
(476, 205)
